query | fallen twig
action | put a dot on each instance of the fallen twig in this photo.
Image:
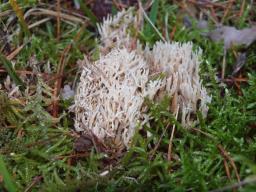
(225, 155)
(35, 181)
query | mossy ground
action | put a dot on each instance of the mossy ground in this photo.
(37, 137)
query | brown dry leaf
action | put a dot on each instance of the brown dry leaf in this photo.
(83, 144)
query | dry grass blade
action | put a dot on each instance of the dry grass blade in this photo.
(5, 13)
(225, 155)
(77, 155)
(203, 133)
(40, 12)
(15, 52)
(20, 16)
(230, 3)
(223, 65)
(58, 20)
(38, 23)
(242, 9)
(34, 182)
(227, 169)
(207, 4)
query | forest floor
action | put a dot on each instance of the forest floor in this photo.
(40, 45)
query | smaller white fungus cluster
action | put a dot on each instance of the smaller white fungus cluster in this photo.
(114, 31)
(111, 93)
(180, 64)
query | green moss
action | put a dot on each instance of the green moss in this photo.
(33, 143)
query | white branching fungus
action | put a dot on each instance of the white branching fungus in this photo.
(110, 97)
(114, 31)
(181, 67)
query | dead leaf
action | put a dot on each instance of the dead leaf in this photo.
(83, 144)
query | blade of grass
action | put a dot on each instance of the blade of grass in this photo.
(150, 23)
(8, 183)
(88, 13)
(8, 66)
(152, 17)
(20, 16)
